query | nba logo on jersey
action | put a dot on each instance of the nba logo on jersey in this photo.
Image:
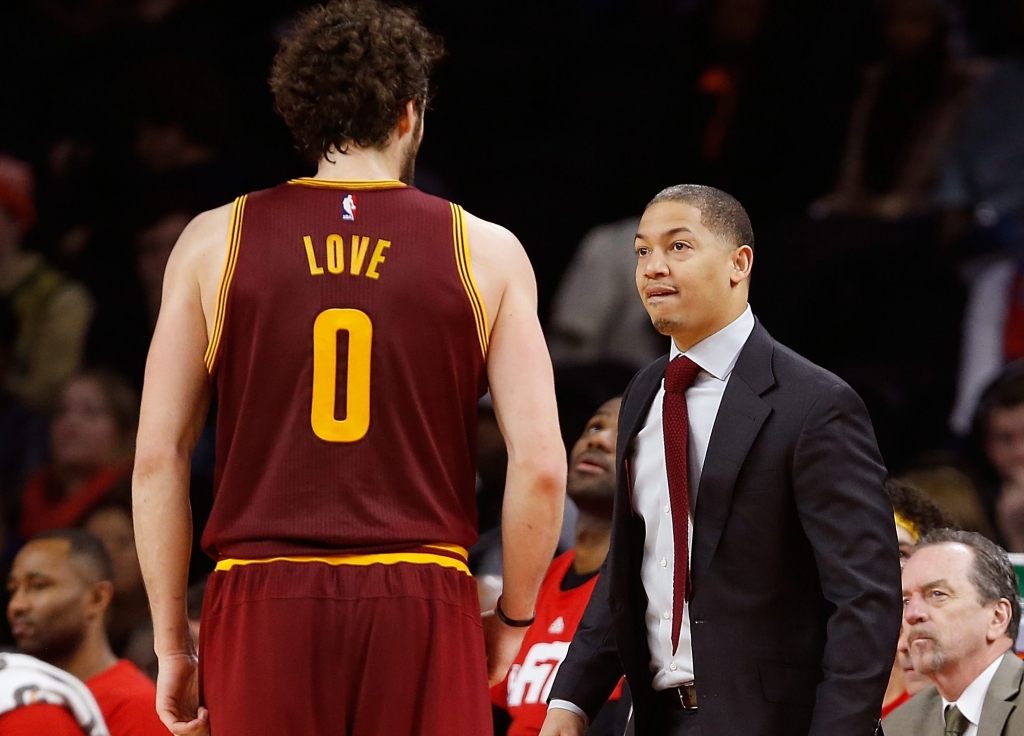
(348, 208)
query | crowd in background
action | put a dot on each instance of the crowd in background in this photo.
(879, 147)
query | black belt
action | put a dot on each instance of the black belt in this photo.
(683, 697)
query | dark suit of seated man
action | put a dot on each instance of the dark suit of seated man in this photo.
(780, 616)
(961, 613)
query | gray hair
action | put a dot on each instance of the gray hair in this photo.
(991, 572)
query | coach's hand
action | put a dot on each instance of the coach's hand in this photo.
(561, 722)
(503, 644)
(177, 696)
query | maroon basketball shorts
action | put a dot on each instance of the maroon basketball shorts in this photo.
(312, 649)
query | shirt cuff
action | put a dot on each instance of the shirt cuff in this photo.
(566, 705)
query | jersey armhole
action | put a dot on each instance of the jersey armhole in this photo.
(465, 267)
(234, 238)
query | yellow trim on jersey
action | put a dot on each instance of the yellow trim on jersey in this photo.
(234, 238)
(465, 267)
(341, 184)
(386, 558)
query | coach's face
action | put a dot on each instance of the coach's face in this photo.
(944, 618)
(691, 282)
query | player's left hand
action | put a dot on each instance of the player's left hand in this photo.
(177, 696)
(503, 643)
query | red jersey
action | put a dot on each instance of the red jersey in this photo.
(524, 693)
(127, 699)
(40, 718)
(349, 355)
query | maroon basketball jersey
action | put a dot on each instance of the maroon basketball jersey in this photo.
(349, 355)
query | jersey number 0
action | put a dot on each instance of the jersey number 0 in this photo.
(325, 375)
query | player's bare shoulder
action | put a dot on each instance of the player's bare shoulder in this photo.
(499, 261)
(198, 256)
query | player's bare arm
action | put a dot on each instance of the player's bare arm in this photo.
(175, 400)
(522, 388)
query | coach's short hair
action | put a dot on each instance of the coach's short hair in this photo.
(85, 548)
(992, 573)
(721, 213)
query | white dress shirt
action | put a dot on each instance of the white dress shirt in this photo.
(973, 698)
(717, 356)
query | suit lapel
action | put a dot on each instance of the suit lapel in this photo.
(1001, 692)
(740, 418)
(634, 411)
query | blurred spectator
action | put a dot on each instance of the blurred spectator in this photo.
(53, 312)
(153, 246)
(60, 705)
(961, 613)
(982, 186)
(992, 332)
(915, 516)
(913, 681)
(566, 589)
(126, 314)
(905, 118)
(110, 521)
(998, 436)
(184, 116)
(22, 433)
(92, 441)
(61, 589)
(597, 315)
(952, 490)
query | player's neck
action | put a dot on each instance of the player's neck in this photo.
(593, 536)
(92, 658)
(359, 164)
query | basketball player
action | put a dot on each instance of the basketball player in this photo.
(348, 324)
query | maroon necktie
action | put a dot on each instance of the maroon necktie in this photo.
(679, 376)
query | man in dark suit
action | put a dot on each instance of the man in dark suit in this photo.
(962, 614)
(753, 582)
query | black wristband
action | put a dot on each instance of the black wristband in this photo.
(519, 623)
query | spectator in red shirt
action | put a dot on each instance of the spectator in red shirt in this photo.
(566, 590)
(60, 586)
(92, 437)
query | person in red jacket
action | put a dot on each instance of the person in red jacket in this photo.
(566, 589)
(60, 587)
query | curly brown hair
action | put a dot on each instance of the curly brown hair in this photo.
(913, 504)
(346, 71)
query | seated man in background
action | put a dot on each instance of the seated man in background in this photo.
(567, 587)
(60, 587)
(961, 615)
(916, 515)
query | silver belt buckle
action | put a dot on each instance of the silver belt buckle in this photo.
(681, 692)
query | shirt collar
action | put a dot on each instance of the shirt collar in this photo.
(717, 354)
(973, 698)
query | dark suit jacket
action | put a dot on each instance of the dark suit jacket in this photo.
(922, 714)
(796, 579)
